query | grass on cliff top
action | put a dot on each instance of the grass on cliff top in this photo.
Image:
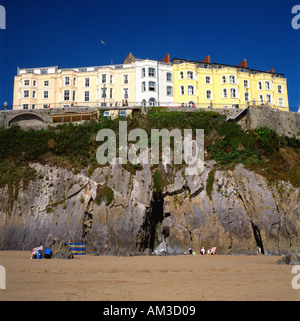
(74, 146)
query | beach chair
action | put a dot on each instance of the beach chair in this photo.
(48, 254)
(39, 255)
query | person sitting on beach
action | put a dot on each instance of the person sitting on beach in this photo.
(190, 250)
(202, 251)
(34, 252)
(213, 250)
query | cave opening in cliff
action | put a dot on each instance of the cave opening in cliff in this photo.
(151, 235)
(155, 218)
(257, 237)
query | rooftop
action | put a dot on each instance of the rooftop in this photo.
(207, 64)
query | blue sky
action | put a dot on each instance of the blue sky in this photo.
(67, 34)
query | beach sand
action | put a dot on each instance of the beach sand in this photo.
(141, 278)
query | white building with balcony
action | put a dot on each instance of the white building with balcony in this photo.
(153, 83)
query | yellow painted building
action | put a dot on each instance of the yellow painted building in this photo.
(203, 84)
(112, 85)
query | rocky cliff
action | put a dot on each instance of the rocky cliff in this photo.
(235, 210)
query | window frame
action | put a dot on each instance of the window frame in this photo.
(181, 90)
(234, 79)
(192, 88)
(27, 95)
(247, 81)
(125, 93)
(103, 92)
(190, 75)
(169, 77)
(86, 96)
(248, 94)
(231, 91)
(152, 102)
(74, 95)
(268, 82)
(210, 95)
(281, 99)
(125, 79)
(44, 94)
(170, 93)
(122, 112)
(153, 86)
(259, 85)
(208, 78)
(66, 94)
(67, 83)
(151, 72)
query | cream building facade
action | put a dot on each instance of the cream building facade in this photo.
(112, 85)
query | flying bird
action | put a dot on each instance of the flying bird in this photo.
(102, 42)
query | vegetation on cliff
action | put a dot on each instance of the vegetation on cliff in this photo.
(74, 146)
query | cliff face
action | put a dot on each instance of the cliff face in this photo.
(113, 206)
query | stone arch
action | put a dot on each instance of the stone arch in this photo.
(26, 120)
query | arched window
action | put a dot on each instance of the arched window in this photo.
(152, 102)
(192, 103)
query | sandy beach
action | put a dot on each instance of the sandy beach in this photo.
(168, 278)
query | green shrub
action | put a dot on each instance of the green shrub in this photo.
(267, 138)
(104, 193)
(210, 182)
(158, 183)
(74, 146)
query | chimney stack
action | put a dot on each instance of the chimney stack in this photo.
(207, 59)
(166, 58)
(243, 64)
